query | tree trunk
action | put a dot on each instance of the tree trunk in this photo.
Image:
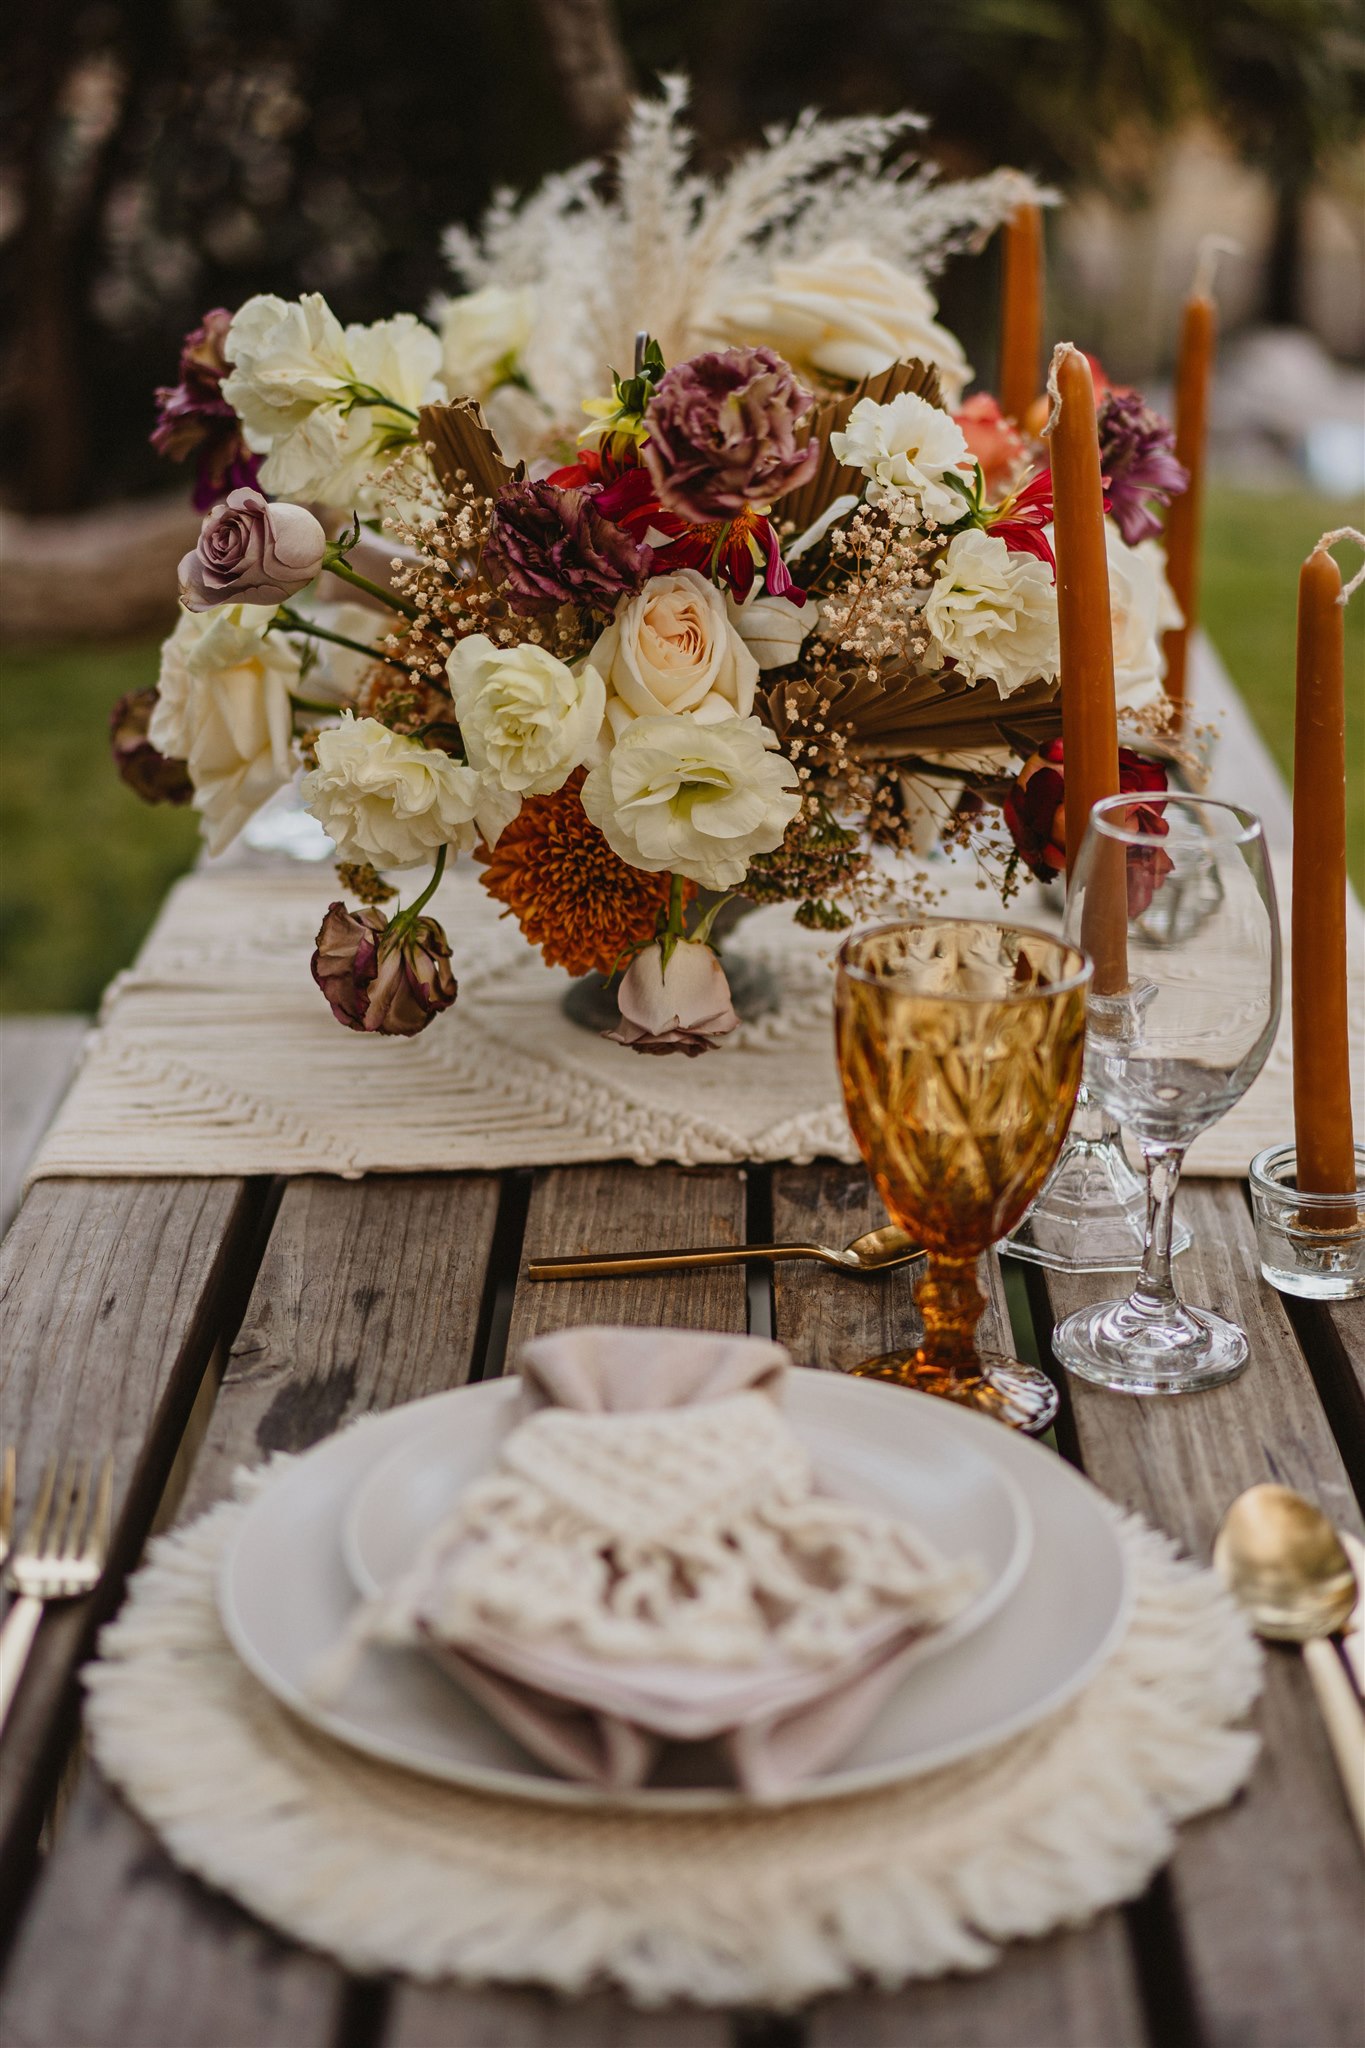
(590, 62)
(1282, 305)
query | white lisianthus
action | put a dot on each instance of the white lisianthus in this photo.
(223, 707)
(1142, 606)
(296, 378)
(844, 313)
(907, 448)
(527, 719)
(681, 797)
(482, 337)
(672, 648)
(395, 803)
(772, 628)
(993, 613)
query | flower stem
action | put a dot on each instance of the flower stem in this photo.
(366, 394)
(339, 566)
(405, 919)
(294, 623)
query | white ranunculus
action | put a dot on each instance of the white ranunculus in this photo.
(296, 374)
(1142, 606)
(845, 313)
(906, 449)
(527, 719)
(482, 337)
(772, 628)
(992, 612)
(681, 797)
(223, 707)
(673, 648)
(395, 803)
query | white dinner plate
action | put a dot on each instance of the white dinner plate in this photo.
(286, 1589)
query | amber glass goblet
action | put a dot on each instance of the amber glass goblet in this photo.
(960, 1049)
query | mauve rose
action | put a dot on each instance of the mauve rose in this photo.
(684, 1007)
(154, 775)
(381, 975)
(548, 545)
(251, 552)
(722, 433)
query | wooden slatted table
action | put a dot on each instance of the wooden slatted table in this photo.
(197, 1325)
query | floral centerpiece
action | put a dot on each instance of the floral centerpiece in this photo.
(785, 595)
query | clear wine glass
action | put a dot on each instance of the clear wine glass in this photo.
(1178, 914)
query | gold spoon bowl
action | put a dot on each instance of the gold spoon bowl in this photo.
(1282, 1561)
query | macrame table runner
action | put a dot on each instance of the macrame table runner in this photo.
(215, 1054)
(389, 1872)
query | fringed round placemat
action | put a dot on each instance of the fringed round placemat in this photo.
(393, 1873)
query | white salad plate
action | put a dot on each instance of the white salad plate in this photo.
(351, 1513)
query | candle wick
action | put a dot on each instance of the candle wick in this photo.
(1329, 541)
(1054, 390)
(1211, 247)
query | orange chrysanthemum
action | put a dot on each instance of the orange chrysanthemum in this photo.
(571, 895)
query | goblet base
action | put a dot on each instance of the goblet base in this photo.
(1013, 1393)
(1119, 1346)
(1091, 1216)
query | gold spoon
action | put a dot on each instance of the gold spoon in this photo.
(1282, 1561)
(877, 1251)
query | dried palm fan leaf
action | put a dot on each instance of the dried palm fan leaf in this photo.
(804, 506)
(465, 447)
(970, 715)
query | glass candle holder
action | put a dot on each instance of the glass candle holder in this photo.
(1311, 1245)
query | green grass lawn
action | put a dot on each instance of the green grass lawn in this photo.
(84, 864)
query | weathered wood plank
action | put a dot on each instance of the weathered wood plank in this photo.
(627, 1209)
(426, 2016)
(1268, 1894)
(1074, 1990)
(37, 1059)
(368, 1295)
(112, 1294)
(1068, 1992)
(828, 1319)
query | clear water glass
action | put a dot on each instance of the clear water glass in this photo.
(1179, 916)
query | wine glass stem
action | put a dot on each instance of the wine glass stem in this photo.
(950, 1303)
(1155, 1292)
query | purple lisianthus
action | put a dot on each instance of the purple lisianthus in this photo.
(722, 434)
(549, 545)
(154, 775)
(381, 975)
(1137, 459)
(193, 417)
(251, 552)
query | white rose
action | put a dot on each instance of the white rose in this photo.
(482, 337)
(993, 612)
(223, 707)
(673, 648)
(772, 628)
(394, 802)
(680, 797)
(847, 313)
(287, 357)
(908, 448)
(527, 719)
(1142, 606)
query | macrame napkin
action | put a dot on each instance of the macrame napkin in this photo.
(393, 1873)
(650, 1561)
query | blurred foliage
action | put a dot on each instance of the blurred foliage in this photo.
(87, 864)
(161, 156)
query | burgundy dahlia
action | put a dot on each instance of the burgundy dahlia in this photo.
(154, 775)
(1035, 811)
(548, 545)
(380, 975)
(1137, 458)
(722, 434)
(193, 417)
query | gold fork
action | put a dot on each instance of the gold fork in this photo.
(59, 1557)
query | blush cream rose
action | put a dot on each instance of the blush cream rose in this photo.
(682, 1007)
(680, 797)
(673, 648)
